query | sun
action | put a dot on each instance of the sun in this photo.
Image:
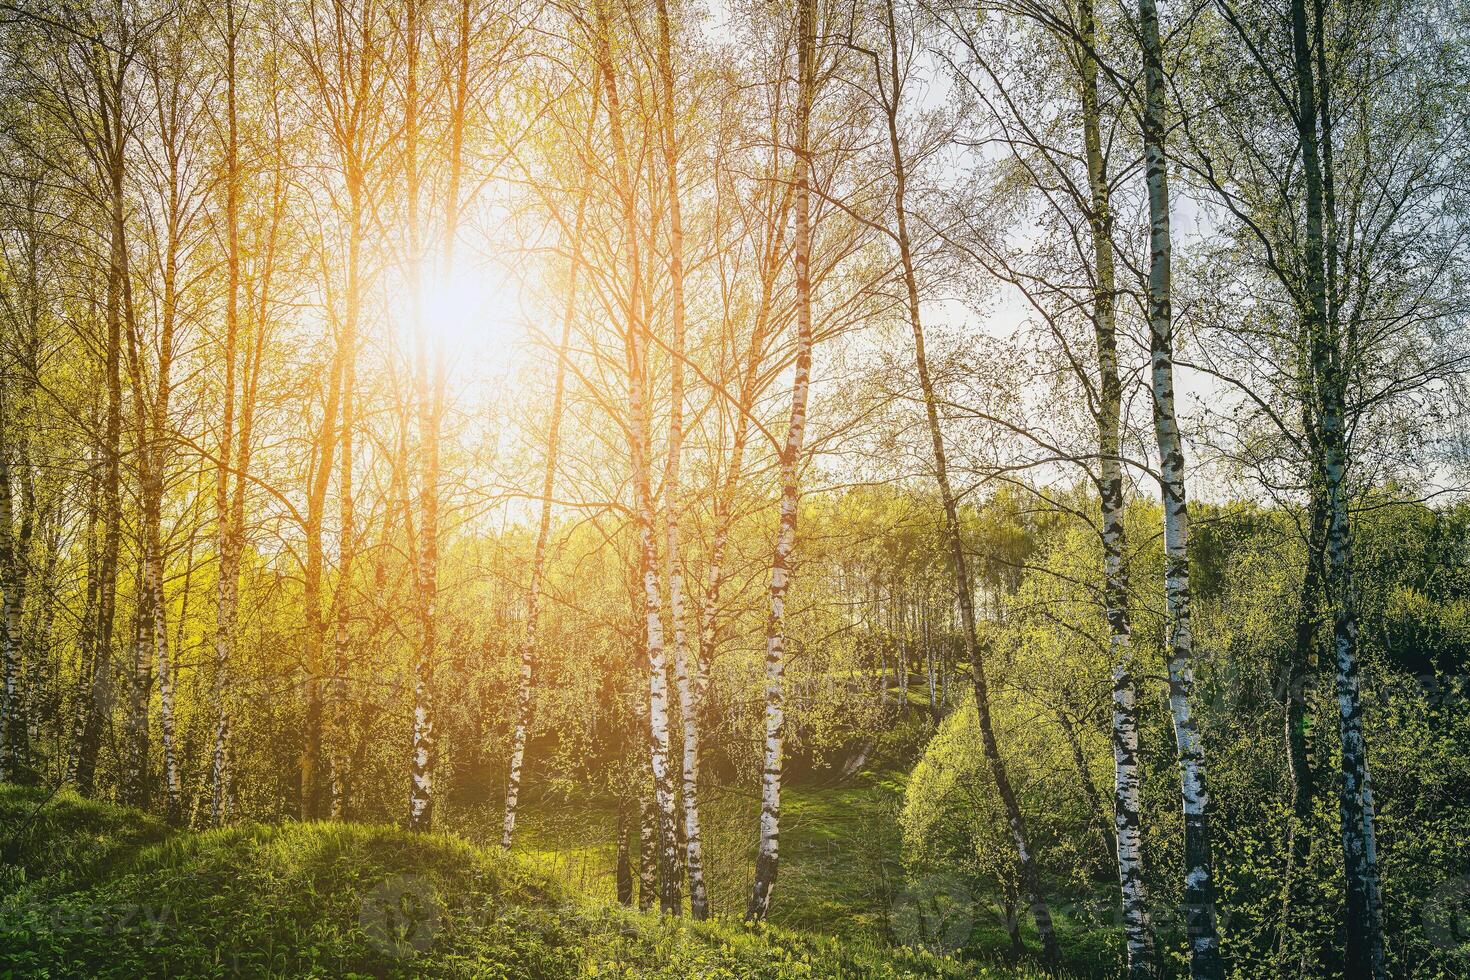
(476, 313)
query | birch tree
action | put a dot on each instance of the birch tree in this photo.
(528, 648)
(344, 66)
(254, 261)
(428, 399)
(1357, 257)
(1060, 150)
(11, 565)
(636, 332)
(689, 765)
(100, 62)
(1360, 858)
(768, 854)
(890, 97)
(228, 543)
(25, 254)
(1199, 886)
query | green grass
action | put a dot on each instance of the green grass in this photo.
(99, 891)
(839, 842)
(64, 837)
(841, 875)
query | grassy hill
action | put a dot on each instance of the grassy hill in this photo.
(93, 890)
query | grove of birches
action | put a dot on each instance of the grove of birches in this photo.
(781, 465)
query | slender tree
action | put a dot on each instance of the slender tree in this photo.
(889, 100)
(1199, 885)
(525, 677)
(228, 537)
(105, 131)
(689, 769)
(768, 854)
(345, 71)
(639, 411)
(1365, 953)
(1127, 793)
(11, 566)
(427, 400)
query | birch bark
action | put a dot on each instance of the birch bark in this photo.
(1127, 785)
(346, 513)
(1300, 670)
(10, 568)
(227, 537)
(18, 717)
(157, 446)
(768, 855)
(641, 447)
(427, 399)
(689, 767)
(1199, 887)
(1365, 945)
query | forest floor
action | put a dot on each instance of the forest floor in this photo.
(841, 872)
(89, 889)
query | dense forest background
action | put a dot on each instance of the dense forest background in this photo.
(982, 481)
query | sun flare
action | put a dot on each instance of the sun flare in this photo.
(476, 313)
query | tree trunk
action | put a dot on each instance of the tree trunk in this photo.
(342, 602)
(689, 766)
(1301, 666)
(1089, 788)
(346, 528)
(768, 855)
(1127, 791)
(316, 629)
(1364, 926)
(724, 512)
(1199, 885)
(135, 785)
(12, 566)
(19, 652)
(624, 869)
(648, 851)
(100, 696)
(148, 588)
(525, 678)
(157, 449)
(84, 694)
(954, 541)
(227, 536)
(427, 398)
(639, 411)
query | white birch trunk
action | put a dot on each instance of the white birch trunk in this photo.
(228, 540)
(768, 855)
(643, 503)
(1199, 888)
(1364, 926)
(135, 773)
(1127, 785)
(427, 398)
(159, 633)
(689, 762)
(342, 602)
(10, 567)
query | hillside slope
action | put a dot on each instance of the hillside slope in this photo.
(92, 890)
